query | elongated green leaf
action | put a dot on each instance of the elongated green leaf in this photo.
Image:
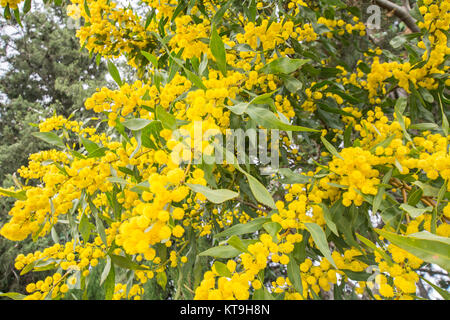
(426, 246)
(239, 108)
(413, 211)
(106, 270)
(26, 6)
(215, 196)
(20, 195)
(292, 177)
(126, 263)
(219, 14)
(329, 219)
(86, 8)
(195, 79)
(114, 73)
(381, 190)
(237, 243)
(136, 124)
(168, 120)
(293, 272)
(399, 109)
(222, 269)
(331, 148)
(320, 240)
(13, 295)
(151, 58)
(239, 229)
(260, 192)
(17, 16)
(292, 84)
(445, 294)
(49, 137)
(110, 282)
(218, 50)
(283, 65)
(385, 143)
(161, 279)
(372, 245)
(269, 120)
(224, 252)
(28, 267)
(272, 228)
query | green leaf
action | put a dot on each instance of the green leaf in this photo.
(428, 191)
(272, 228)
(381, 190)
(114, 73)
(293, 272)
(372, 245)
(161, 279)
(269, 120)
(215, 196)
(106, 270)
(260, 192)
(357, 276)
(424, 245)
(424, 126)
(126, 263)
(151, 58)
(239, 229)
(219, 14)
(168, 120)
(320, 240)
(292, 177)
(237, 243)
(17, 16)
(329, 219)
(28, 267)
(239, 108)
(136, 124)
(218, 50)
(110, 281)
(385, 143)
(13, 295)
(50, 138)
(224, 252)
(195, 79)
(445, 294)
(222, 269)
(26, 6)
(291, 83)
(399, 108)
(85, 227)
(7, 12)
(283, 65)
(20, 195)
(330, 148)
(413, 211)
(86, 9)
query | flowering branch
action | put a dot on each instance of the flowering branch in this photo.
(401, 13)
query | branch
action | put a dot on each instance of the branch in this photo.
(406, 5)
(400, 12)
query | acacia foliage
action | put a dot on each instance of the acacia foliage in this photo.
(359, 201)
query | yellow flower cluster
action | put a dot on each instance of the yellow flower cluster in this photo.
(188, 37)
(436, 21)
(341, 27)
(135, 292)
(11, 3)
(110, 31)
(400, 270)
